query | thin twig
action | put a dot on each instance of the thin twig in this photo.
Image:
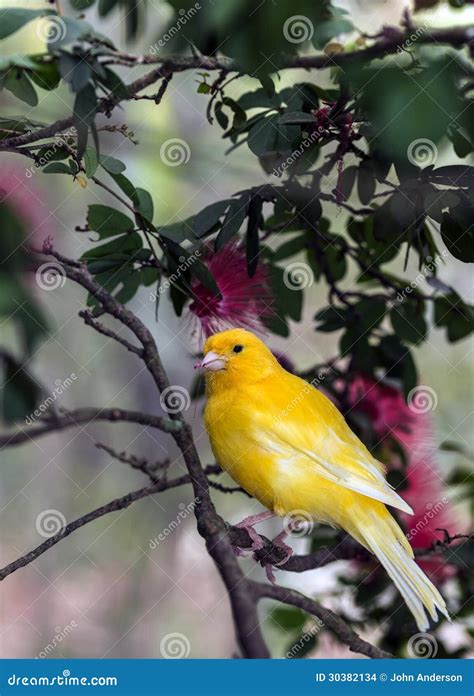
(45, 424)
(333, 622)
(100, 328)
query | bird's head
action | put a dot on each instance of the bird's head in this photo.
(236, 356)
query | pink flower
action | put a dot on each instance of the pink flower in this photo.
(244, 301)
(424, 488)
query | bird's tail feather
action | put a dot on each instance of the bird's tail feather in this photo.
(386, 540)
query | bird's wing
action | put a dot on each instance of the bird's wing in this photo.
(317, 430)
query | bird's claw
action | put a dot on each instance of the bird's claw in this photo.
(257, 543)
(277, 541)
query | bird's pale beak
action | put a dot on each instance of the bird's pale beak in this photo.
(211, 361)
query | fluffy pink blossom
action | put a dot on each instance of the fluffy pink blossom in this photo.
(425, 491)
(244, 302)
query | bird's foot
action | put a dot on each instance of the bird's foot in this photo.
(278, 541)
(248, 524)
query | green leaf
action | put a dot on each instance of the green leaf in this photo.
(57, 168)
(85, 106)
(108, 222)
(458, 317)
(267, 136)
(91, 161)
(105, 6)
(297, 117)
(276, 324)
(178, 298)
(457, 231)
(366, 182)
(201, 271)
(145, 204)
(347, 180)
(45, 75)
(52, 153)
(233, 220)
(126, 186)
(18, 84)
(462, 146)
(252, 239)
(121, 248)
(113, 82)
(332, 318)
(18, 126)
(408, 321)
(112, 165)
(14, 18)
(206, 219)
(221, 117)
(397, 361)
(288, 301)
(74, 70)
(178, 231)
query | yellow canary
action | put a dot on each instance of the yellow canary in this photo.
(287, 445)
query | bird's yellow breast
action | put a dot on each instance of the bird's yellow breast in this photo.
(283, 481)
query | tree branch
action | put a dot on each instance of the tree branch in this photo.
(100, 328)
(388, 44)
(335, 624)
(79, 416)
(113, 506)
(210, 525)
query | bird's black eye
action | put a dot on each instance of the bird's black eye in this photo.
(238, 348)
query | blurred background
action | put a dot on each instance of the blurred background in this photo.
(110, 590)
